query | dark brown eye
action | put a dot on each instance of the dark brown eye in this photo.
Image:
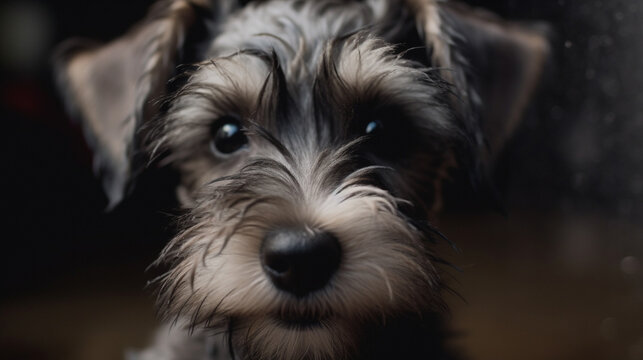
(227, 137)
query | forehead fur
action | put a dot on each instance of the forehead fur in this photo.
(314, 63)
(297, 30)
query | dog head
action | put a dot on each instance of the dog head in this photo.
(312, 138)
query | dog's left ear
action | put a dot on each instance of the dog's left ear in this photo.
(111, 87)
(495, 65)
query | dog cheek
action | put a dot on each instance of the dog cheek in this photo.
(384, 269)
(233, 280)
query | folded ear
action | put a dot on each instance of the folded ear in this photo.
(110, 87)
(494, 64)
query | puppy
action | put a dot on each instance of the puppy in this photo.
(312, 139)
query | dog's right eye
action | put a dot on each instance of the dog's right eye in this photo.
(227, 137)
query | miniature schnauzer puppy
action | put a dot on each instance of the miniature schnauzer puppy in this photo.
(312, 138)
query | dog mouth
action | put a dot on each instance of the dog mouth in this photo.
(299, 321)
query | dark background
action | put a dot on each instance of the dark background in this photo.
(559, 277)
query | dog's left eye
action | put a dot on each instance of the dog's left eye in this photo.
(227, 136)
(373, 127)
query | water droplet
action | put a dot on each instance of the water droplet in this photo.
(630, 265)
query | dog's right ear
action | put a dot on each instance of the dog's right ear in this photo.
(111, 87)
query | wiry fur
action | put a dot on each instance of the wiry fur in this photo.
(386, 267)
(294, 176)
(304, 78)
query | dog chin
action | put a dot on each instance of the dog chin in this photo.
(278, 338)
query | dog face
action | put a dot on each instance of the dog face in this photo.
(312, 138)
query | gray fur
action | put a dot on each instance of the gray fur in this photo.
(304, 79)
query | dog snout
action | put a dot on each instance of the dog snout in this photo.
(300, 261)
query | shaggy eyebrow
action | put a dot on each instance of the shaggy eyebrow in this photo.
(199, 82)
(274, 101)
(265, 100)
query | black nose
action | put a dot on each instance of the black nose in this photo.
(300, 261)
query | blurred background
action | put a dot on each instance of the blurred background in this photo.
(559, 277)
